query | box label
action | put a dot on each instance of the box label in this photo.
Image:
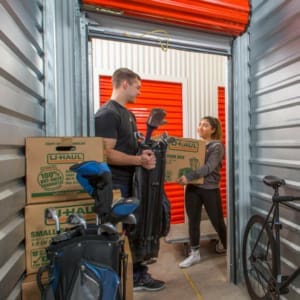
(65, 158)
(184, 145)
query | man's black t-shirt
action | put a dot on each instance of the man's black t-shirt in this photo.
(115, 121)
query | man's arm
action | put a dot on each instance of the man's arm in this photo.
(114, 157)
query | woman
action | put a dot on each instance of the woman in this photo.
(208, 193)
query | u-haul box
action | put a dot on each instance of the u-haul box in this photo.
(48, 159)
(39, 231)
(184, 155)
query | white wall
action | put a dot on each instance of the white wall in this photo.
(199, 73)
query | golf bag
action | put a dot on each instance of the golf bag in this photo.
(153, 213)
(86, 266)
(88, 261)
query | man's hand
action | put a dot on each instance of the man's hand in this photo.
(148, 159)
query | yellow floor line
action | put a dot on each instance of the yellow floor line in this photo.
(192, 284)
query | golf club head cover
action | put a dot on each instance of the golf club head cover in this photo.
(125, 206)
(96, 180)
(156, 118)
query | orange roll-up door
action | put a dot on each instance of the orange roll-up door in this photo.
(165, 95)
(222, 118)
(229, 17)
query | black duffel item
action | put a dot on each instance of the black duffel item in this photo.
(153, 213)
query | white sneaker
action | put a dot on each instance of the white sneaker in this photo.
(193, 258)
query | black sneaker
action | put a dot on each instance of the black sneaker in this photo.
(147, 283)
(149, 261)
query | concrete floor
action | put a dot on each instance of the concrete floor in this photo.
(204, 281)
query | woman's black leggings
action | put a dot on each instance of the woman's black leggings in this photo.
(195, 197)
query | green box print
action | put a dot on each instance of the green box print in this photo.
(65, 158)
(184, 145)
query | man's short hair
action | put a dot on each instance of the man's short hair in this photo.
(124, 74)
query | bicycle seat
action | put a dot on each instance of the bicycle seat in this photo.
(273, 181)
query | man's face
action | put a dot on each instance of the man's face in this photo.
(133, 90)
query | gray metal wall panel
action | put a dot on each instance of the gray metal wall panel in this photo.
(14, 70)
(13, 234)
(239, 139)
(274, 113)
(11, 273)
(19, 44)
(26, 21)
(21, 115)
(66, 43)
(28, 109)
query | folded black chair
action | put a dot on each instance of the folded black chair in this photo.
(153, 213)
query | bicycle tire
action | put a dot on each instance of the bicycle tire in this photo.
(259, 268)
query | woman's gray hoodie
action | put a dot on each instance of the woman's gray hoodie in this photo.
(214, 155)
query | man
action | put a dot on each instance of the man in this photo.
(117, 125)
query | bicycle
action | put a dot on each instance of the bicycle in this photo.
(261, 249)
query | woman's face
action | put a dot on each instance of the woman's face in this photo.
(205, 130)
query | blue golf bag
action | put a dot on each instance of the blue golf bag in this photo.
(88, 261)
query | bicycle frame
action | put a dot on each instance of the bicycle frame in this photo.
(282, 282)
(262, 266)
(276, 225)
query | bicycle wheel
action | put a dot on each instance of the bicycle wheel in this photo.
(259, 260)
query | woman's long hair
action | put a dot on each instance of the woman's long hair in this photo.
(216, 125)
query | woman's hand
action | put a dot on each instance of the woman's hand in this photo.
(182, 180)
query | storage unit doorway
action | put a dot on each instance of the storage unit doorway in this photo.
(202, 75)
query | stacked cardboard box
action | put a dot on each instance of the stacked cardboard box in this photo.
(50, 183)
(48, 161)
(40, 231)
(30, 290)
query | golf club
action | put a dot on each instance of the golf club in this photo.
(107, 228)
(130, 219)
(50, 214)
(75, 219)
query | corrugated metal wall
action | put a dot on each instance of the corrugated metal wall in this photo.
(199, 73)
(274, 115)
(66, 87)
(238, 176)
(43, 90)
(21, 115)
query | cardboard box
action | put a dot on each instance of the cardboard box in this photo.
(129, 272)
(184, 155)
(39, 231)
(30, 289)
(48, 160)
